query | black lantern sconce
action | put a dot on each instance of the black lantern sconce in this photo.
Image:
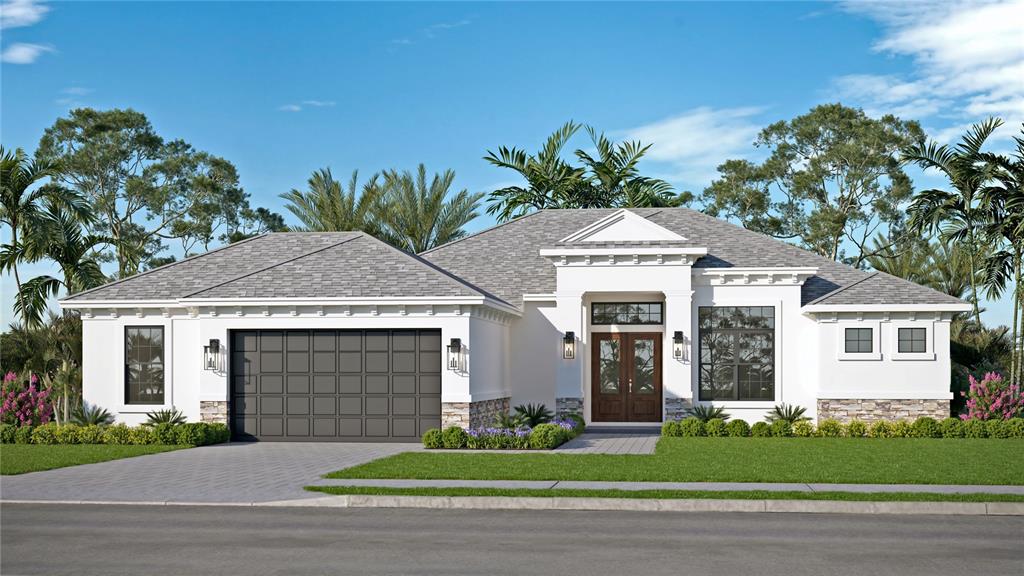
(455, 355)
(569, 345)
(677, 345)
(211, 356)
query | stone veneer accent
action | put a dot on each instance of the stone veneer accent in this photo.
(868, 410)
(213, 411)
(566, 406)
(676, 408)
(472, 414)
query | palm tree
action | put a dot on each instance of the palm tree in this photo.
(958, 214)
(421, 215)
(910, 258)
(325, 207)
(615, 177)
(61, 239)
(551, 182)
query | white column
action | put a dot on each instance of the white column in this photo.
(569, 317)
(677, 382)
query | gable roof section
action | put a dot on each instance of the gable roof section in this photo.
(622, 226)
(880, 288)
(506, 259)
(291, 265)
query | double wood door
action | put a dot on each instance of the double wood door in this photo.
(626, 377)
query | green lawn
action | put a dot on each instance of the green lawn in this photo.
(825, 460)
(673, 494)
(22, 458)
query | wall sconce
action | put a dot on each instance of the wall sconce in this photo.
(677, 344)
(211, 356)
(455, 355)
(569, 345)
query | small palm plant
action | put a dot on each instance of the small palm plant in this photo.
(705, 412)
(507, 421)
(533, 414)
(172, 416)
(787, 413)
(91, 414)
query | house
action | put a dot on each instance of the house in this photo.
(625, 316)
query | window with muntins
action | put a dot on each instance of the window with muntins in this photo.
(858, 341)
(626, 313)
(737, 353)
(912, 340)
(144, 364)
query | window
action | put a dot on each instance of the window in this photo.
(144, 365)
(912, 340)
(626, 313)
(858, 341)
(737, 353)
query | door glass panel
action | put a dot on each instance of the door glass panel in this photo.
(609, 362)
(643, 366)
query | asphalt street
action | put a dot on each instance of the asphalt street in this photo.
(139, 540)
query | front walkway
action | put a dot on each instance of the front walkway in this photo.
(612, 441)
(236, 472)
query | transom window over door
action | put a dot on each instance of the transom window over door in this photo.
(144, 364)
(737, 353)
(603, 313)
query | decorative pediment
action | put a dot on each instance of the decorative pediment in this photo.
(623, 226)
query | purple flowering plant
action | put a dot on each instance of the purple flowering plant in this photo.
(24, 405)
(993, 398)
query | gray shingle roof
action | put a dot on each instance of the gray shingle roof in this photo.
(882, 288)
(292, 265)
(505, 259)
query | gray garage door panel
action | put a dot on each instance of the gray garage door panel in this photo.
(335, 385)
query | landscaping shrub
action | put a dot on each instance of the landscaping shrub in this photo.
(901, 429)
(219, 433)
(581, 424)
(803, 429)
(737, 428)
(92, 434)
(691, 427)
(993, 399)
(547, 436)
(997, 429)
(453, 437)
(533, 414)
(760, 430)
(975, 429)
(715, 427)
(788, 412)
(706, 413)
(171, 416)
(118, 434)
(781, 428)
(830, 428)
(141, 435)
(23, 435)
(952, 428)
(671, 429)
(45, 434)
(164, 434)
(7, 432)
(67, 434)
(880, 429)
(1015, 427)
(89, 414)
(926, 427)
(856, 429)
(190, 434)
(508, 438)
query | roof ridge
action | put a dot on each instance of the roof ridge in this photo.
(484, 231)
(438, 269)
(168, 265)
(845, 288)
(272, 266)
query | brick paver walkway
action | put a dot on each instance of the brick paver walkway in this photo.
(611, 442)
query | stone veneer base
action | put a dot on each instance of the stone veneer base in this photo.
(677, 408)
(473, 414)
(867, 410)
(213, 411)
(566, 406)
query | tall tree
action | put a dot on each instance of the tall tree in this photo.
(614, 175)
(141, 187)
(943, 267)
(325, 207)
(419, 214)
(958, 215)
(832, 179)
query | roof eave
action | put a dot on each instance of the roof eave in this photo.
(950, 307)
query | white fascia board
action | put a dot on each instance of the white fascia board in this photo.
(645, 250)
(228, 302)
(815, 308)
(538, 297)
(804, 270)
(86, 304)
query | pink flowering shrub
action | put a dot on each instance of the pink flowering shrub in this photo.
(993, 399)
(24, 406)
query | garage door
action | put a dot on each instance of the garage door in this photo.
(335, 385)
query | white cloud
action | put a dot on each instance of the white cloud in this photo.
(290, 108)
(17, 13)
(694, 143)
(23, 53)
(968, 62)
(77, 91)
(318, 103)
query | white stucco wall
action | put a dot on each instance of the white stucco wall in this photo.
(534, 355)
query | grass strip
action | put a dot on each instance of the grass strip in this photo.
(671, 494)
(23, 458)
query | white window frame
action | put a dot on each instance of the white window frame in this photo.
(929, 340)
(876, 348)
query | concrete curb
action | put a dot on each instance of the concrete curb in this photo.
(600, 504)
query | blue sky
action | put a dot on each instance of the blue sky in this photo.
(282, 89)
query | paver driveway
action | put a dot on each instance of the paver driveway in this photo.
(237, 472)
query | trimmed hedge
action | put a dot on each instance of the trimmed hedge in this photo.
(190, 434)
(924, 427)
(541, 437)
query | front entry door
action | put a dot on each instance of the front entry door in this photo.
(626, 377)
